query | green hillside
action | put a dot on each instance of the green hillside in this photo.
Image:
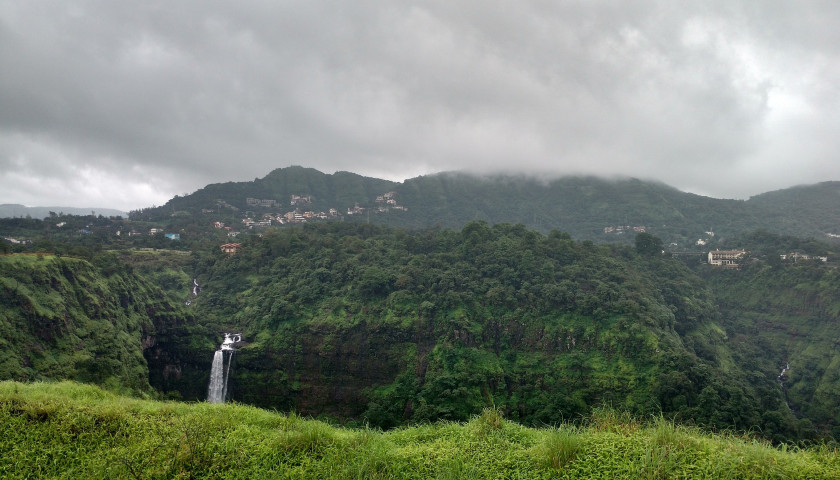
(804, 211)
(586, 207)
(339, 190)
(67, 318)
(363, 323)
(787, 316)
(74, 431)
(360, 322)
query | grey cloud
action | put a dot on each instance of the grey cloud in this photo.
(189, 93)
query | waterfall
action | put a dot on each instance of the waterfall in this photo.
(782, 377)
(216, 391)
(220, 371)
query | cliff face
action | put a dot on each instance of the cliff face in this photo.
(179, 353)
(66, 318)
(321, 369)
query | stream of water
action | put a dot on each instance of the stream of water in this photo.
(220, 370)
(782, 379)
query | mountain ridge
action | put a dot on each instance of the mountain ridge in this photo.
(587, 207)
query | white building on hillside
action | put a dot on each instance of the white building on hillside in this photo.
(726, 258)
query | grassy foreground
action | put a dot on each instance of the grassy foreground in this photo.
(70, 430)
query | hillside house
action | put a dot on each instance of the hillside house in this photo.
(726, 258)
(355, 210)
(230, 248)
(300, 200)
(261, 202)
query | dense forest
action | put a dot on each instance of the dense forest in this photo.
(364, 323)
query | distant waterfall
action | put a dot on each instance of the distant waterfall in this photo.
(782, 378)
(220, 371)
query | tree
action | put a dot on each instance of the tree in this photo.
(647, 244)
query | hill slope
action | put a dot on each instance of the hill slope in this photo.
(586, 207)
(74, 431)
(65, 318)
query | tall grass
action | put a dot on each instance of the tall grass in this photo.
(561, 446)
(67, 430)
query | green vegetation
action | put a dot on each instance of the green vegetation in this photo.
(581, 206)
(68, 430)
(364, 323)
(367, 324)
(355, 321)
(67, 318)
(784, 315)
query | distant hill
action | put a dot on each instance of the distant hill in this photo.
(8, 210)
(809, 209)
(589, 208)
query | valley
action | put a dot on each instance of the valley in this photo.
(389, 323)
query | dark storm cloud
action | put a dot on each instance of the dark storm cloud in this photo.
(126, 104)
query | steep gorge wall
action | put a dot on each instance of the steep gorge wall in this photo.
(68, 318)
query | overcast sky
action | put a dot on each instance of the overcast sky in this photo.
(126, 104)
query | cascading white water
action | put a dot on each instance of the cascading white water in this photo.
(220, 371)
(216, 391)
(782, 378)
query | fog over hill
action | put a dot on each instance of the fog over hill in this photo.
(587, 207)
(134, 102)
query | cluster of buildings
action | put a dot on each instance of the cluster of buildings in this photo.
(258, 202)
(295, 216)
(795, 257)
(17, 242)
(230, 231)
(702, 241)
(300, 200)
(621, 229)
(732, 258)
(388, 201)
(384, 203)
